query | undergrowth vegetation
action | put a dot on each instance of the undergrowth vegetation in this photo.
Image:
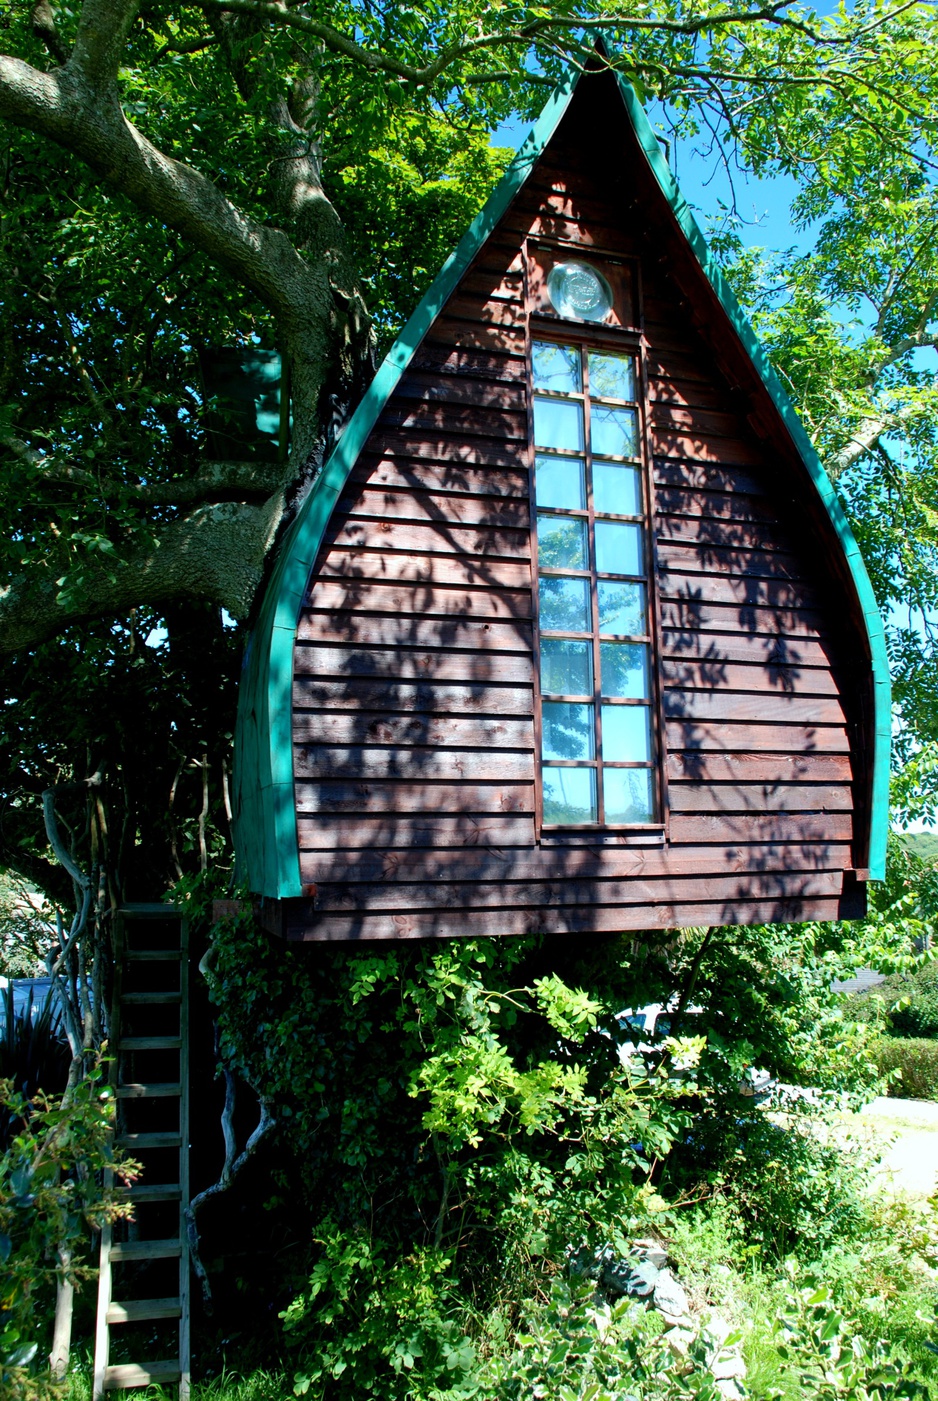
(454, 1123)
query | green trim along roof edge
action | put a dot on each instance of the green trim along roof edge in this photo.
(882, 687)
(266, 838)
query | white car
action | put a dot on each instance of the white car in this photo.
(653, 1023)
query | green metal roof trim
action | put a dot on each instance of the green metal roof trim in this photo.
(265, 809)
(265, 821)
(882, 689)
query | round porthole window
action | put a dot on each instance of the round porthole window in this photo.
(579, 292)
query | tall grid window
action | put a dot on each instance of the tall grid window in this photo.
(597, 736)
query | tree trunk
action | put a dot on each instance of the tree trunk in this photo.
(62, 1331)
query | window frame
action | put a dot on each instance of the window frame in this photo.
(588, 337)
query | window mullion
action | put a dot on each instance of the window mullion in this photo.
(594, 592)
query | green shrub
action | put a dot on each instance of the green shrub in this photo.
(51, 1198)
(830, 1356)
(919, 1018)
(905, 1004)
(570, 1348)
(916, 1058)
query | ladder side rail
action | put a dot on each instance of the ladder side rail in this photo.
(184, 1262)
(102, 1339)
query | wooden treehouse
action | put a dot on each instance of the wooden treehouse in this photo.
(571, 634)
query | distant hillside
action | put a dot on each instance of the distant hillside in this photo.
(924, 845)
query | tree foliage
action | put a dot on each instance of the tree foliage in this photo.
(206, 178)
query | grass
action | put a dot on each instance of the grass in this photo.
(230, 1386)
(885, 1282)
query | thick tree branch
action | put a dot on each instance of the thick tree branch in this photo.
(60, 106)
(214, 481)
(921, 339)
(522, 37)
(216, 553)
(865, 438)
(103, 27)
(45, 30)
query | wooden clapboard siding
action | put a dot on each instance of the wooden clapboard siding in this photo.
(414, 686)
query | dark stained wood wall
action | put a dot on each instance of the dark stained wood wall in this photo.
(414, 687)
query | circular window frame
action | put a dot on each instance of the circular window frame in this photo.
(564, 308)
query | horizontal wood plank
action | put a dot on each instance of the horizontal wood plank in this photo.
(738, 561)
(562, 919)
(492, 865)
(684, 506)
(424, 569)
(441, 537)
(468, 334)
(466, 830)
(417, 600)
(698, 737)
(394, 795)
(470, 634)
(775, 769)
(469, 421)
(766, 708)
(460, 392)
(706, 796)
(692, 474)
(359, 694)
(751, 648)
(414, 764)
(716, 674)
(743, 592)
(412, 664)
(709, 533)
(728, 829)
(438, 477)
(488, 363)
(448, 509)
(363, 727)
(438, 447)
(690, 614)
(565, 891)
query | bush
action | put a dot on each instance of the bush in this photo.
(919, 1018)
(917, 996)
(916, 1058)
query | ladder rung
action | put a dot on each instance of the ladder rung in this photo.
(146, 1249)
(135, 1310)
(152, 1090)
(153, 955)
(141, 1374)
(152, 1192)
(149, 1043)
(151, 999)
(150, 1140)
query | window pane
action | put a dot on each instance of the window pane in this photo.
(559, 424)
(626, 734)
(566, 667)
(616, 489)
(568, 731)
(561, 483)
(557, 367)
(612, 376)
(621, 607)
(570, 795)
(613, 432)
(624, 667)
(562, 542)
(565, 605)
(629, 795)
(618, 548)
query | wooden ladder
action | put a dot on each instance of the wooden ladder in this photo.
(142, 1260)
